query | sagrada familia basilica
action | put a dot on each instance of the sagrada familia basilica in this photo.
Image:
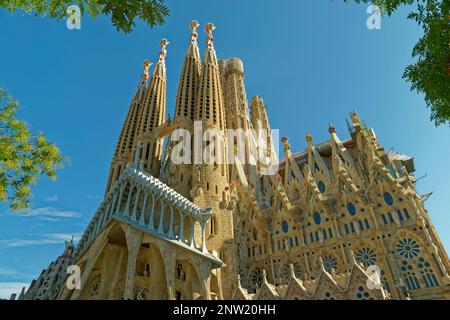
(340, 220)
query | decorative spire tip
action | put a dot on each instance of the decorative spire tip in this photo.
(146, 65)
(164, 43)
(193, 26)
(210, 39)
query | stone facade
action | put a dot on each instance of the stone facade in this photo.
(317, 229)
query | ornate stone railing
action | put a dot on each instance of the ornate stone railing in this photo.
(153, 207)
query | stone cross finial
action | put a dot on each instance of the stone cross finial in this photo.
(210, 39)
(164, 43)
(194, 25)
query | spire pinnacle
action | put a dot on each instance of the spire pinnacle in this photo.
(210, 39)
(162, 55)
(194, 35)
(264, 275)
(355, 118)
(144, 77)
(331, 128)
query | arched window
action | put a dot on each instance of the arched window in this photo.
(417, 271)
(317, 219)
(212, 226)
(351, 209)
(388, 198)
(321, 186)
(285, 226)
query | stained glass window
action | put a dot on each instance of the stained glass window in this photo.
(351, 208)
(388, 198)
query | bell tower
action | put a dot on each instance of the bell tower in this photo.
(124, 148)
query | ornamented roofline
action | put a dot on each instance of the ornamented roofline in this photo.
(152, 185)
(159, 188)
(296, 288)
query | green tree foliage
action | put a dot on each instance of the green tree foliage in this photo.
(123, 12)
(23, 157)
(430, 73)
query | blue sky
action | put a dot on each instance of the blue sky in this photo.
(312, 61)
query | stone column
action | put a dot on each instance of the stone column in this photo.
(134, 239)
(169, 264)
(203, 248)
(191, 241)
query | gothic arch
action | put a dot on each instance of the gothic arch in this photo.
(177, 216)
(166, 218)
(150, 276)
(132, 200)
(140, 205)
(105, 280)
(148, 209)
(197, 235)
(187, 229)
(187, 281)
(157, 213)
(123, 201)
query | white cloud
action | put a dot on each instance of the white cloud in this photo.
(49, 238)
(51, 198)
(7, 288)
(8, 272)
(51, 212)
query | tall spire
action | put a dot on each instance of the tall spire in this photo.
(152, 115)
(180, 175)
(236, 105)
(210, 54)
(190, 75)
(210, 178)
(210, 99)
(123, 152)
